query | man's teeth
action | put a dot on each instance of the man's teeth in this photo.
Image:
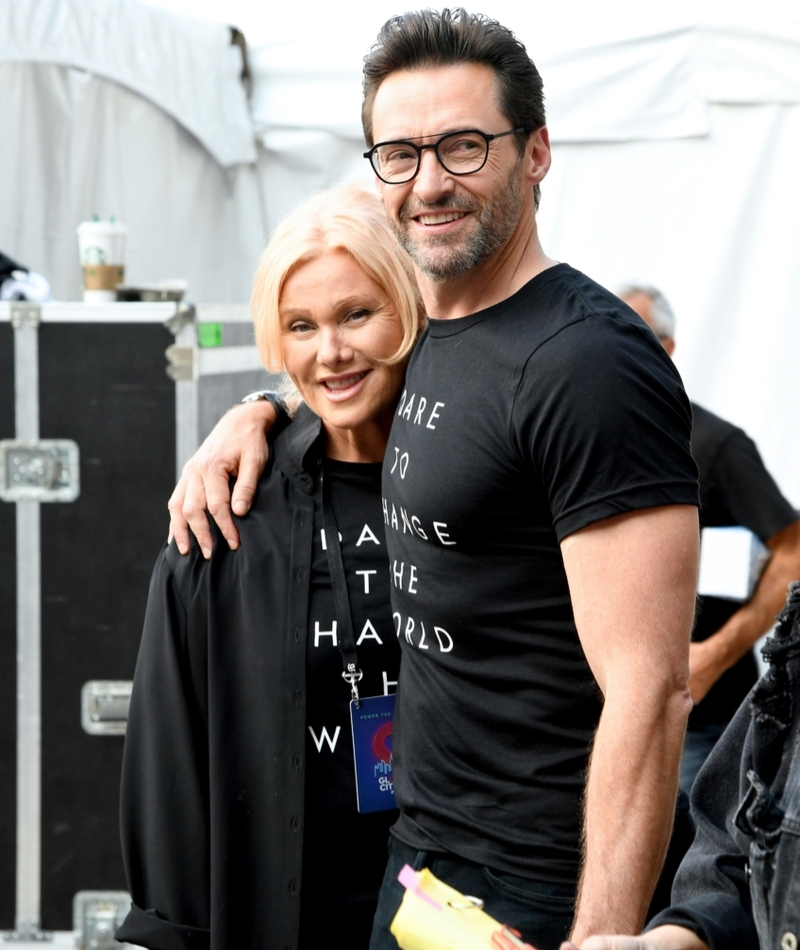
(441, 218)
(344, 383)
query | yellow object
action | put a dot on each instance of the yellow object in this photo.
(435, 916)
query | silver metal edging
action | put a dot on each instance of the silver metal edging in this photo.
(29, 625)
(228, 359)
(186, 405)
(223, 313)
(57, 312)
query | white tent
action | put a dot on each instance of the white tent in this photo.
(675, 138)
(114, 107)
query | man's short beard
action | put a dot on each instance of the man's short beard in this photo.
(495, 223)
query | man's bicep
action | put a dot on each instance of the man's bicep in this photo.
(632, 581)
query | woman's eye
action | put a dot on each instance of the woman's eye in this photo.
(358, 314)
(299, 327)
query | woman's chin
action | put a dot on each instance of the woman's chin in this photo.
(352, 438)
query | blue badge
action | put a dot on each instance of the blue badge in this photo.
(372, 752)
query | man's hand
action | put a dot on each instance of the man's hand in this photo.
(632, 581)
(236, 446)
(709, 659)
(508, 939)
(668, 937)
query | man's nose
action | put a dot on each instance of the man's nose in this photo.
(433, 179)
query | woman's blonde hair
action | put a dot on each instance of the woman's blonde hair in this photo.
(345, 218)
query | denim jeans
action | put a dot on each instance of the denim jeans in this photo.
(542, 912)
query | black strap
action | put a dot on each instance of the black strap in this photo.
(341, 599)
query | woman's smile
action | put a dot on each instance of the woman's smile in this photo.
(340, 386)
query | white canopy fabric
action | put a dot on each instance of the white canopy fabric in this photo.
(186, 67)
(675, 129)
(111, 107)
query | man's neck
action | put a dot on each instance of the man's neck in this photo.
(496, 279)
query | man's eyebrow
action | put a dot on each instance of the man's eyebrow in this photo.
(430, 135)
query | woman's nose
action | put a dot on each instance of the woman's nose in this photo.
(333, 347)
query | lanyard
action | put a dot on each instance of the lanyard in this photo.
(341, 599)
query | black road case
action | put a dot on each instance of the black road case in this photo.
(119, 393)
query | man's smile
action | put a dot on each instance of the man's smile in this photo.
(442, 217)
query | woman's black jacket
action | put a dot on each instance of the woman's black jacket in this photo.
(213, 772)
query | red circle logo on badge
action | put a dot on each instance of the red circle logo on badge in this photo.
(380, 744)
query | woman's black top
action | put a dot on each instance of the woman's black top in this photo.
(231, 818)
(332, 823)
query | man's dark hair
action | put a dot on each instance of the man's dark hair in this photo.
(447, 38)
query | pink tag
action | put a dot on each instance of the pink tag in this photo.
(409, 878)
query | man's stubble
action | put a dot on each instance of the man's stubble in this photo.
(494, 223)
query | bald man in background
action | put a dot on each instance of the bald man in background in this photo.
(735, 490)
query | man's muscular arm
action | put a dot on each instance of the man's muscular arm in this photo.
(709, 659)
(632, 581)
(236, 446)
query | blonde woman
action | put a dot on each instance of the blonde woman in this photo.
(240, 825)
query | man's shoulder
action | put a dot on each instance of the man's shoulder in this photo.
(562, 297)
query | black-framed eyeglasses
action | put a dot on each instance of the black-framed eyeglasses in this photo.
(460, 153)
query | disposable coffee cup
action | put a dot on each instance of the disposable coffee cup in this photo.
(102, 251)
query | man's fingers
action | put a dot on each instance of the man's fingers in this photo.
(218, 500)
(244, 490)
(178, 525)
(194, 511)
(235, 447)
(508, 939)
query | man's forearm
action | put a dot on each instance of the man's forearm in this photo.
(630, 803)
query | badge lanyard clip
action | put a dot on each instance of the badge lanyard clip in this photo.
(341, 599)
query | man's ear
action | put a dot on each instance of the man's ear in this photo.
(668, 342)
(537, 155)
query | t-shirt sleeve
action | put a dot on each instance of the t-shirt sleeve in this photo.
(747, 489)
(602, 416)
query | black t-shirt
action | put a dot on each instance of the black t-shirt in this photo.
(344, 851)
(519, 425)
(735, 490)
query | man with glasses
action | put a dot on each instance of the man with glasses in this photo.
(540, 505)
